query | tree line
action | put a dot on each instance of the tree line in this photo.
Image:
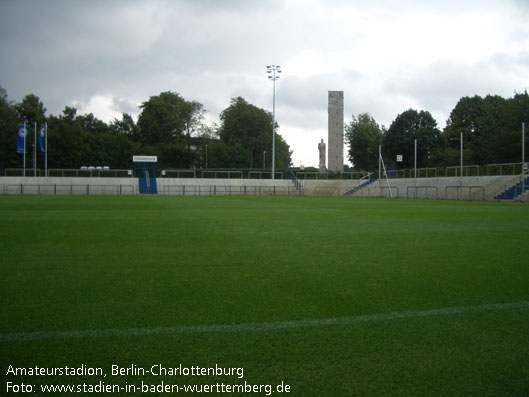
(168, 126)
(491, 129)
(173, 128)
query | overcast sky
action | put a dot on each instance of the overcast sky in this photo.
(107, 57)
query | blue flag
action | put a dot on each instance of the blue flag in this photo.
(42, 138)
(22, 132)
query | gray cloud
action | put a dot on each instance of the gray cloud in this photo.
(385, 57)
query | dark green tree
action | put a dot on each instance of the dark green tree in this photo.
(480, 120)
(8, 133)
(31, 110)
(508, 142)
(83, 140)
(166, 123)
(247, 132)
(125, 126)
(363, 135)
(400, 137)
(167, 118)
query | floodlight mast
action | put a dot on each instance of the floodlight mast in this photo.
(273, 70)
(523, 158)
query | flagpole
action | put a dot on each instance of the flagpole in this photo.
(34, 150)
(24, 155)
(46, 151)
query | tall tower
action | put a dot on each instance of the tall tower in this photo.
(335, 128)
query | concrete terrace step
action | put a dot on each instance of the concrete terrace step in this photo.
(514, 191)
(356, 189)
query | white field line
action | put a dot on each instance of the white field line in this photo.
(249, 327)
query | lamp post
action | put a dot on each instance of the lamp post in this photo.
(523, 158)
(273, 70)
(206, 156)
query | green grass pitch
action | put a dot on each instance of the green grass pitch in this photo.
(102, 281)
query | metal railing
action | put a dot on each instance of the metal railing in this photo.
(266, 174)
(469, 189)
(473, 170)
(179, 174)
(418, 189)
(67, 189)
(228, 174)
(222, 190)
(312, 175)
(66, 172)
(20, 172)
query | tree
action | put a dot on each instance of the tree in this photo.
(491, 128)
(31, 110)
(167, 118)
(400, 137)
(83, 140)
(8, 133)
(166, 123)
(508, 139)
(247, 132)
(124, 126)
(479, 119)
(363, 135)
(193, 115)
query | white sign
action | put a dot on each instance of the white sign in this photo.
(145, 159)
(399, 158)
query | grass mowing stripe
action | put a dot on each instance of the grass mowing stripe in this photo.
(248, 327)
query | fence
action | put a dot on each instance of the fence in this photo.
(500, 169)
(266, 174)
(67, 189)
(389, 189)
(224, 174)
(312, 175)
(89, 173)
(356, 175)
(461, 190)
(179, 174)
(20, 172)
(64, 172)
(325, 191)
(427, 192)
(468, 170)
(221, 190)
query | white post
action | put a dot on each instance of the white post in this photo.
(35, 151)
(461, 150)
(415, 169)
(523, 157)
(273, 70)
(46, 149)
(274, 128)
(24, 155)
(379, 157)
(386, 175)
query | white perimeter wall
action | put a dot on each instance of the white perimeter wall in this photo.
(468, 188)
(474, 188)
(188, 186)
